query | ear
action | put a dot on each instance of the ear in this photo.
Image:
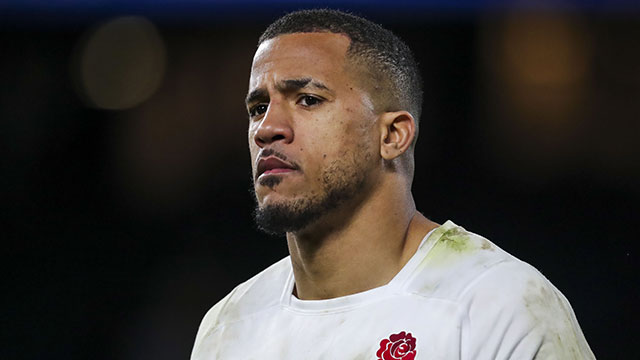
(397, 130)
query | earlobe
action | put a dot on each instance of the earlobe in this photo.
(397, 132)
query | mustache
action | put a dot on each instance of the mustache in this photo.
(269, 152)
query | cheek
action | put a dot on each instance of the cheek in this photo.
(346, 138)
(334, 129)
(251, 131)
(253, 147)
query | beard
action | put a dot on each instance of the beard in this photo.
(342, 180)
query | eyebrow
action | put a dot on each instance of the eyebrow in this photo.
(257, 95)
(287, 85)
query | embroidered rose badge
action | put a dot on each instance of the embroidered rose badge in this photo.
(400, 346)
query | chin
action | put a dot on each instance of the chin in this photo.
(276, 214)
(267, 197)
(281, 193)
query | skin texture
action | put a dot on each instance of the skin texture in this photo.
(307, 104)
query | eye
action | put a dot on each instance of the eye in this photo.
(309, 100)
(257, 109)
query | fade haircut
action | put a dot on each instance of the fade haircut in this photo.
(389, 64)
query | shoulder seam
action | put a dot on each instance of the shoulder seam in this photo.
(242, 288)
(242, 318)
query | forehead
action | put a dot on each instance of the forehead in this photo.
(316, 55)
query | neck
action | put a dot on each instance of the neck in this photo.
(358, 247)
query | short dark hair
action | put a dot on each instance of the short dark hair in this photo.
(388, 59)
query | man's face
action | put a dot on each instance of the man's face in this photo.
(311, 130)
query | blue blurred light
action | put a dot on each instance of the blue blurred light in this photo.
(70, 11)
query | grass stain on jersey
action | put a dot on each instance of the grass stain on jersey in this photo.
(457, 240)
(453, 242)
(550, 311)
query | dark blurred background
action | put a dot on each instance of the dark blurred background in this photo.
(124, 191)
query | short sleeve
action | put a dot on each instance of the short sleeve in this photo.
(209, 322)
(514, 312)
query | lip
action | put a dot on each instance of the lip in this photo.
(271, 165)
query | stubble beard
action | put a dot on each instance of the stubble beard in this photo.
(341, 181)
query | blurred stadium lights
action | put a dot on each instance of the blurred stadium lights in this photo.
(556, 96)
(544, 62)
(120, 63)
(544, 50)
(538, 67)
(174, 147)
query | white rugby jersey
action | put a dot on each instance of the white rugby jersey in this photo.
(458, 297)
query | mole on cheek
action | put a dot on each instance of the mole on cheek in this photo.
(324, 156)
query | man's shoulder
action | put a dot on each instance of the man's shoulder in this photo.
(459, 261)
(506, 303)
(261, 292)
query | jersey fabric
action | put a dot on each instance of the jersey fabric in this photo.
(458, 297)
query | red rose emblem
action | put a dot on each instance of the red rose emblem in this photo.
(400, 346)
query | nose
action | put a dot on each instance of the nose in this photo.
(275, 126)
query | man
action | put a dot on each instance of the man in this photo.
(334, 102)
